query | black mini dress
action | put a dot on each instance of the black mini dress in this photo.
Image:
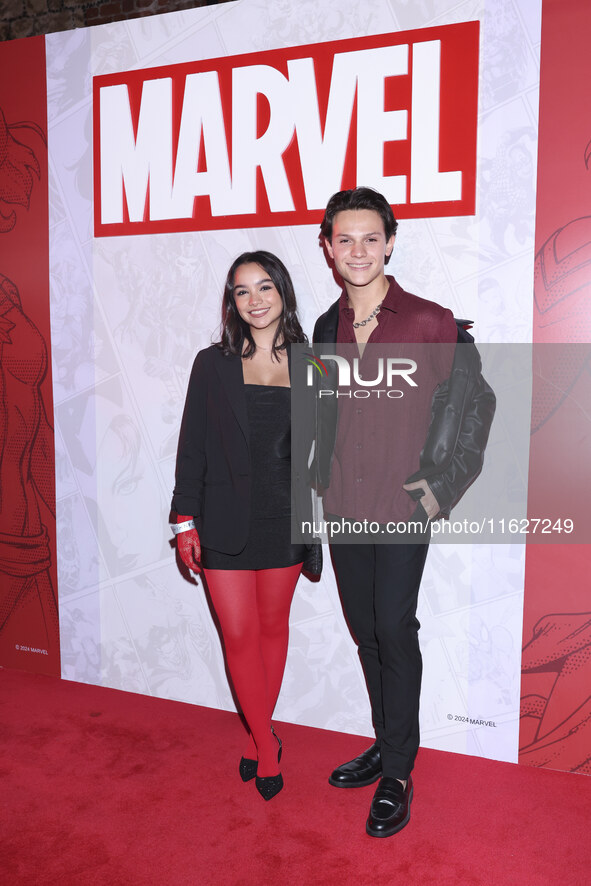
(269, 540)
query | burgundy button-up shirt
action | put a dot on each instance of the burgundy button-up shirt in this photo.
(379, 438)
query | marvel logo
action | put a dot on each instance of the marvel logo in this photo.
(266, 139)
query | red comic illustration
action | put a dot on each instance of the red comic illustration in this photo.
(29, 626)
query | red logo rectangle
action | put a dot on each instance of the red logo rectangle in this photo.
(266, 138)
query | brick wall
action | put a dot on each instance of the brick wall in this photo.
(25, 18)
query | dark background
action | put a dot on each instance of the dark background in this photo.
(25, 18)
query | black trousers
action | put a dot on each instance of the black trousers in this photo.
(379, 587)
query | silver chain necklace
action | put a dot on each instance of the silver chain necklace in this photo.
(371, 316)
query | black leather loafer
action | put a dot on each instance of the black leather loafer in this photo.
(363, 770)
(390, 808)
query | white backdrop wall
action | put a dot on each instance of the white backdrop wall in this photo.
(129, 313)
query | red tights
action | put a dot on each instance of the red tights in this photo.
(253, 610)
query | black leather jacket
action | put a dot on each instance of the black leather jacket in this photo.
(462, 411)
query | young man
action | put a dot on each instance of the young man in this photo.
(379, 583)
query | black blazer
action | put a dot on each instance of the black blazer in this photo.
(213, 459)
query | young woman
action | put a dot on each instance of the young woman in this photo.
(233, 477)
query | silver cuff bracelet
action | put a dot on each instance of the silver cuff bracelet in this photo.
(182, 527)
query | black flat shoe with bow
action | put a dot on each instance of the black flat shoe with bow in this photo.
(270, 785)
(248, 768)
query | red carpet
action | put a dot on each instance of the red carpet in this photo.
(104, 787)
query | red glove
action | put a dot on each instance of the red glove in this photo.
(189, 546)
